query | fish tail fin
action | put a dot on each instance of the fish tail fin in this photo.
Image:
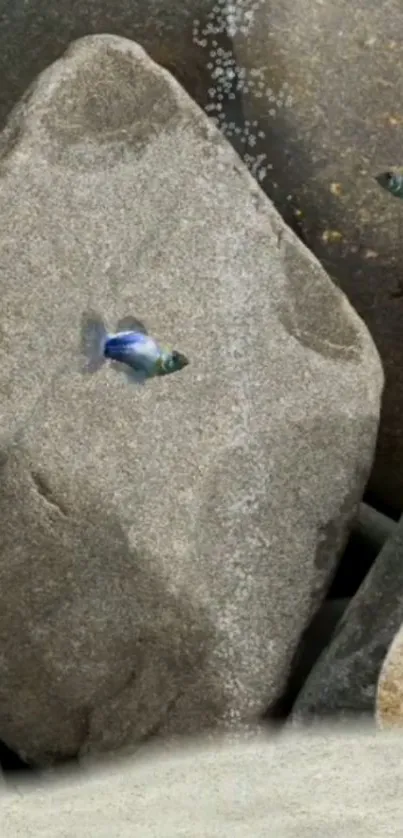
(93, 338)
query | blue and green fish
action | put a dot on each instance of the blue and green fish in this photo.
(392, 182)
(130, 349)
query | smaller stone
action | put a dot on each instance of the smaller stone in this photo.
(389, 699)
(330, 236)
(336, 189)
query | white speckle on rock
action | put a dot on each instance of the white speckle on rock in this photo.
(218, 71)
(229, 19)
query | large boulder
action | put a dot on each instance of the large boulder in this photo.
(322, 86)
(162, 547)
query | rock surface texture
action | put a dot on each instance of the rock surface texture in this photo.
(322, 87)
(162, 547)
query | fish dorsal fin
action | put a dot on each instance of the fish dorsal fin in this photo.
(131, 324)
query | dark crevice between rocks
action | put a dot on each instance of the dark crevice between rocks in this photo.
(390, 511)
(312, 643)
(10, 762)
(372, 529)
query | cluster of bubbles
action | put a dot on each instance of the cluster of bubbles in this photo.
(229, 80)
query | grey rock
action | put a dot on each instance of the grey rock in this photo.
(373, 528)
(344, 680)
(323, 80)
(369, 533)
(331, 782)
(162, 548)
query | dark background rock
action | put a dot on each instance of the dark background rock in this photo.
(34, 33)
(333, 122)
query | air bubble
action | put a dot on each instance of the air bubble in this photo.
(232, 17)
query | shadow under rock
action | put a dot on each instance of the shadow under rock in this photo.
(10, 762)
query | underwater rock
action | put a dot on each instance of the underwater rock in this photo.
(163, 548)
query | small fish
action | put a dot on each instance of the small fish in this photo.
(392, 182)
(130, 349)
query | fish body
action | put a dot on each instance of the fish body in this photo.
(130, 349)
(392, 182)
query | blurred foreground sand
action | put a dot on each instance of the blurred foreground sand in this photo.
(338, 782)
